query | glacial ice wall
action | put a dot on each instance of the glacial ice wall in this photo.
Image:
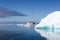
(49, 26)
(52, 19)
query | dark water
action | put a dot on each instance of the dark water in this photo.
(14, 32)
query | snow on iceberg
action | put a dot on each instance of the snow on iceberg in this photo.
(51, 20)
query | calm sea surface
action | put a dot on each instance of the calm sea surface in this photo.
(13, 32)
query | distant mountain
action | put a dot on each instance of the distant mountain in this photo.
(4, 12)
(14, 22)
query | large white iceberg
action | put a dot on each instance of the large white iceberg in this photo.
(50, 25)
(51, 20)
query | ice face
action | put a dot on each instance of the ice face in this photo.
(49, 26)
(51, 20)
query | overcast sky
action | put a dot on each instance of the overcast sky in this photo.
(34, 9)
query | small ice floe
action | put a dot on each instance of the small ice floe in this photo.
(20, 24)
(28, 24)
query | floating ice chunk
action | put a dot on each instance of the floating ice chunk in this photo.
(51, 20)
(50, 26)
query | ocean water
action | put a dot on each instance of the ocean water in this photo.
(49, 33)
(13, 32)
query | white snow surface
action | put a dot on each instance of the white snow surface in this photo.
(52, 19)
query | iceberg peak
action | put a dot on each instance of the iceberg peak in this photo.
(51, 19)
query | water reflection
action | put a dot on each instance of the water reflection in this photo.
(49, 33)
(14, 32)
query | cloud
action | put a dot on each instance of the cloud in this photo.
(6, 13)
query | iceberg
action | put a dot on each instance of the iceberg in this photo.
(52, 20)
(49, 26)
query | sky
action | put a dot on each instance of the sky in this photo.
(34, 10)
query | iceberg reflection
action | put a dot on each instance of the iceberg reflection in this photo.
(49, 33)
